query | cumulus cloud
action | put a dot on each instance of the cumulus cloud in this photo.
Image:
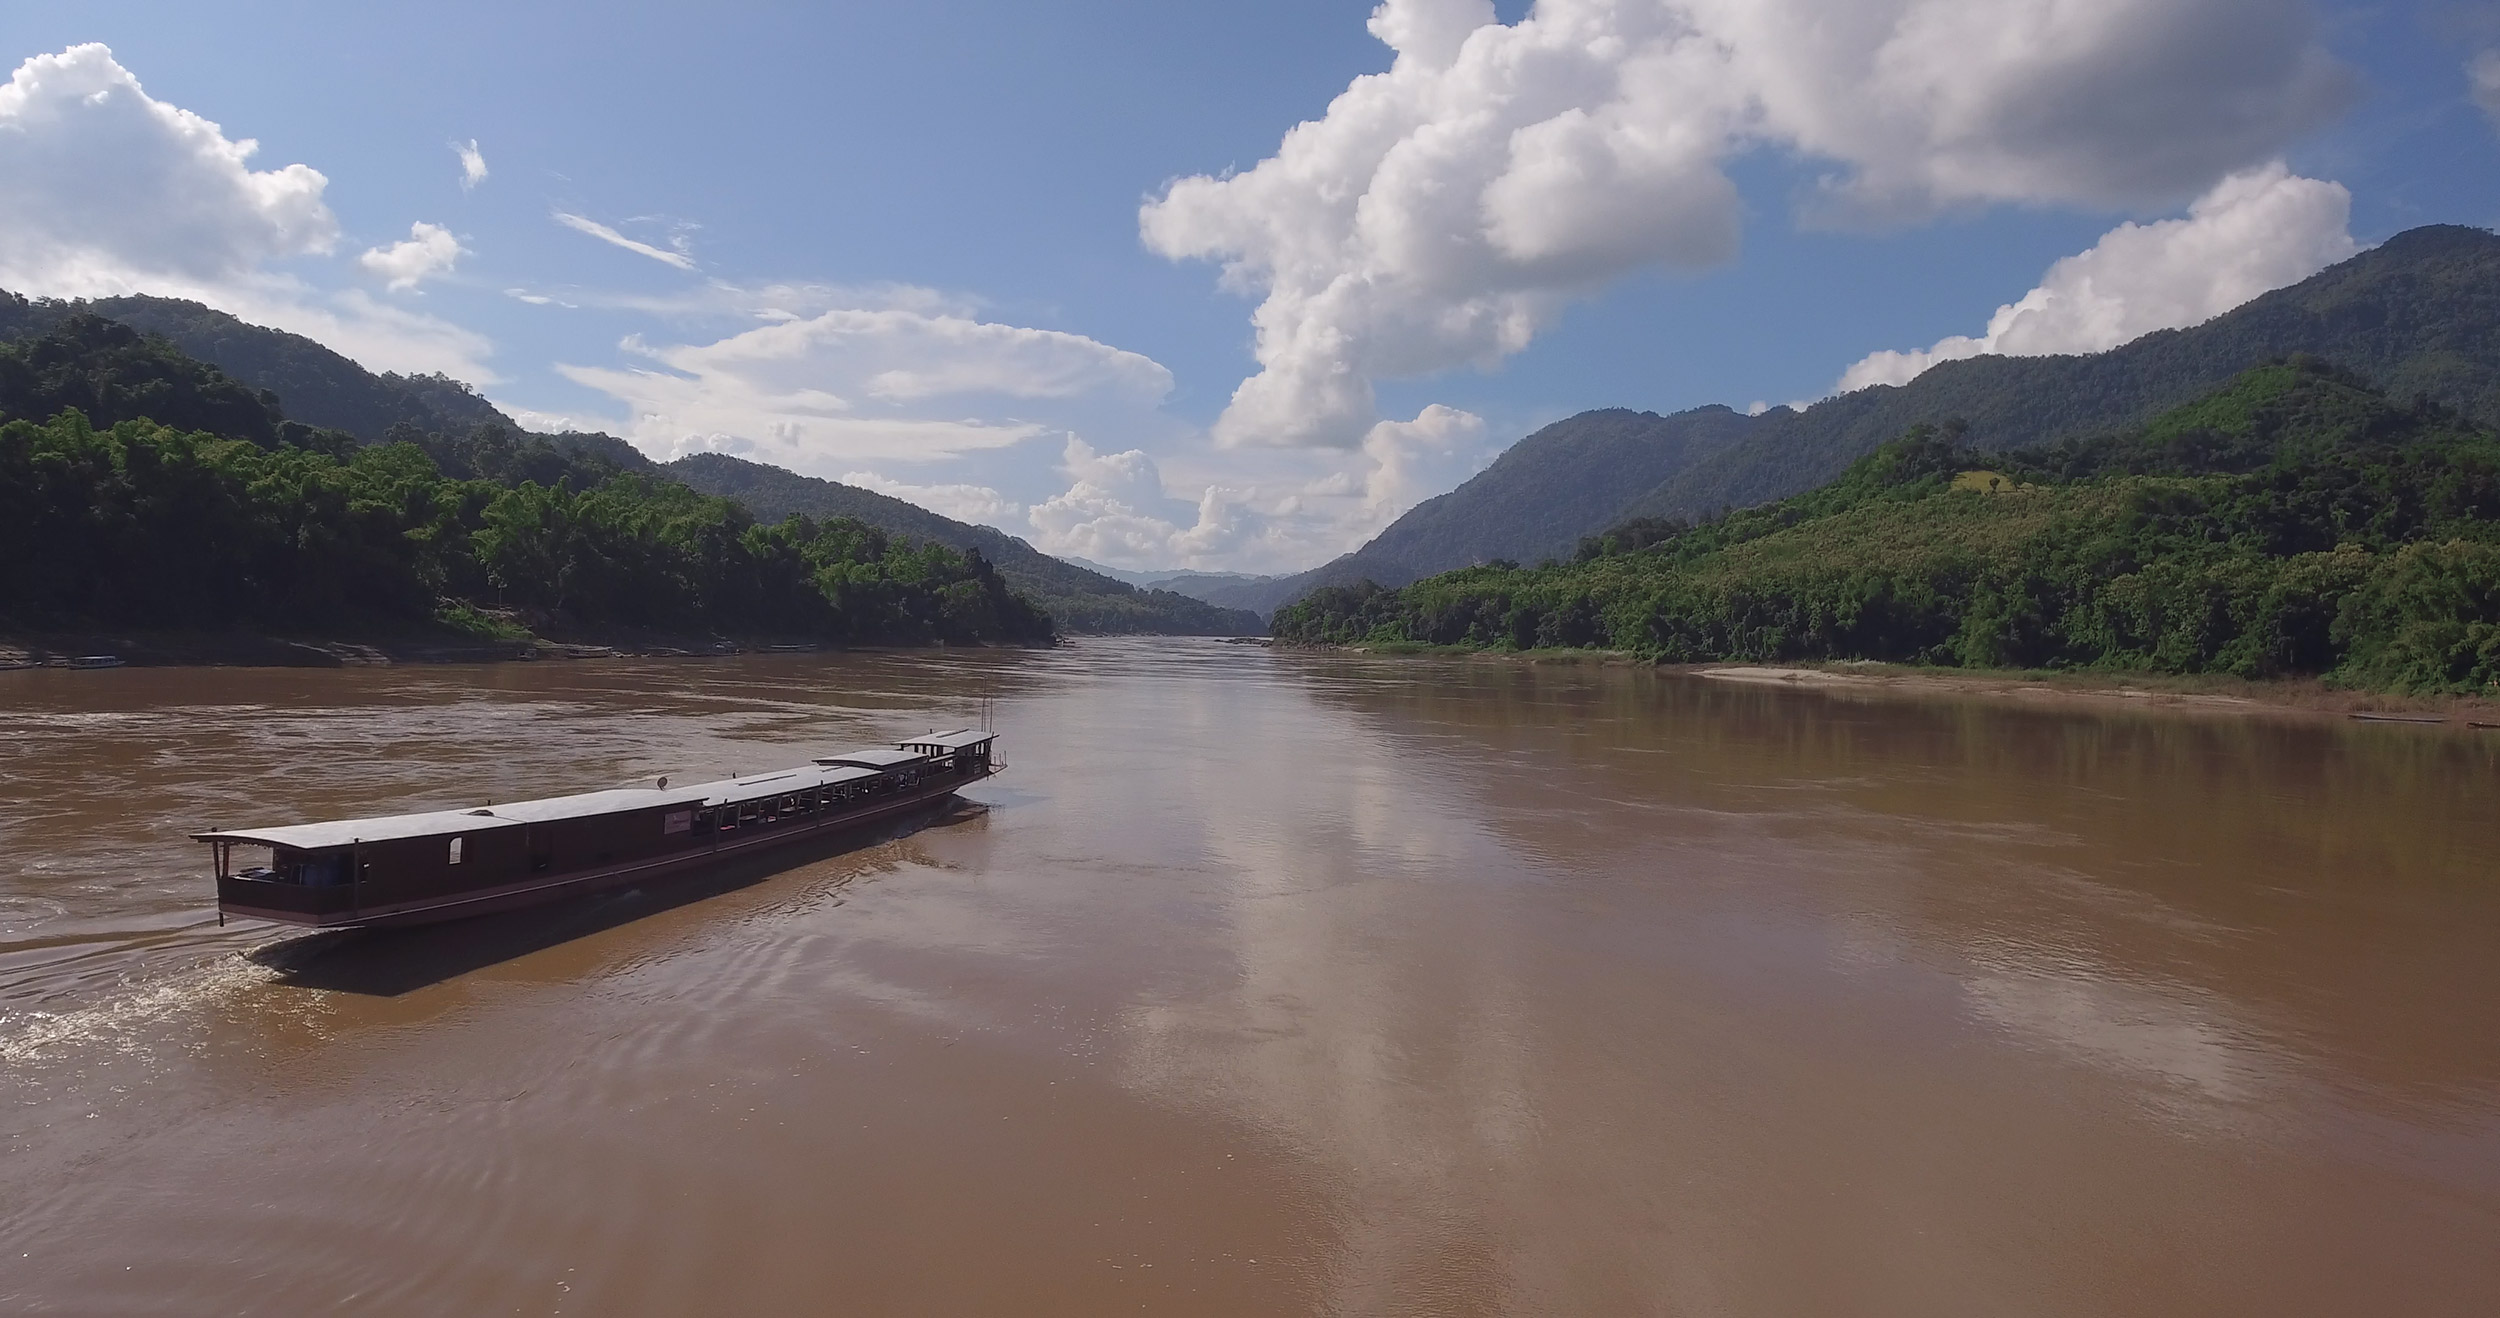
(853, 384)
(1116, 510)
(375, 334)
(1110, 510)
(472, 163)
(2256, 231)
(978, 504)
(1119, 508)
(429, 250)
(1443, 213)
(1411, 461)
(110, 191)
(664, 255)
(2482, 76)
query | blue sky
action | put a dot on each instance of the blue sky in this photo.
(939, 206)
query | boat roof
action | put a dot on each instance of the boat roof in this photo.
(380, 828)
(953, 741)
(446, 823)
(781, 782)
(582, 805)
(824, 771)
(878, 758)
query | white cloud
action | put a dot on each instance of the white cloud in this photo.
(472, 164)
(376, 335)
(1443, 213)
(860, 384)
(1113, 511)
(1303, 507)
(2254, 232)
(663, 255)
(548, 423)
(978, 504)
(1415, 460)
(2482, 75)
(713, 299)
(428, 251)
(110, 191)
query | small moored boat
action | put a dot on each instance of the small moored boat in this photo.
(445, 864)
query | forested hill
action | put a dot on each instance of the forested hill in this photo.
(1535, 502)
(110, 373)
(314, 385)
(307, 383)
(234, 516)
(2418, 315)
(1081, 599)
(2296, 521)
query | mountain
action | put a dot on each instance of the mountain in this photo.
(2419, 316)
(200, 507)
(2296, 521)
(309, 384)
(1209, 586)
(1081, 600)
(1139, 579)
(1535, 502)
(313, 384)
(113, 373)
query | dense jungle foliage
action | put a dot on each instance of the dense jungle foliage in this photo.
(266, 370)
(2419, 315)
(2295, 522)
(231, 515)
(315, 385)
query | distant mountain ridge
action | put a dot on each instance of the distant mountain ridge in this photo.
(2418, 315)
(1082, 600)
(316, 386)
(2294, 522)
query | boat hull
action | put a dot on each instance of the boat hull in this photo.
(541, 890)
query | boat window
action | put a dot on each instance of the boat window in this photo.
(455, 850)
(316, 871)
(677, 821)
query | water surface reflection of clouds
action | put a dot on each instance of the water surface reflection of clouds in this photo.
(1429, 986)
(1401, 881)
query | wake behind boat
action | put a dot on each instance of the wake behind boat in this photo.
(445, 864)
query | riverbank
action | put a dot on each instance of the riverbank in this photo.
(2200, 694)
(2190, 693)
(252, 650)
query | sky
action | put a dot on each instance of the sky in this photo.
(1225, 286)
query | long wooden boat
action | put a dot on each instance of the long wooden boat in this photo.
(446, 864)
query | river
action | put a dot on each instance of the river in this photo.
(1263, 984)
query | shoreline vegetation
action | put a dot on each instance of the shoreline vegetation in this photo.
(316, 391)
(2295, 527)
(246, 649)
(143, 492)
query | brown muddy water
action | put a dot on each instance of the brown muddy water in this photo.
(1266, 984)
